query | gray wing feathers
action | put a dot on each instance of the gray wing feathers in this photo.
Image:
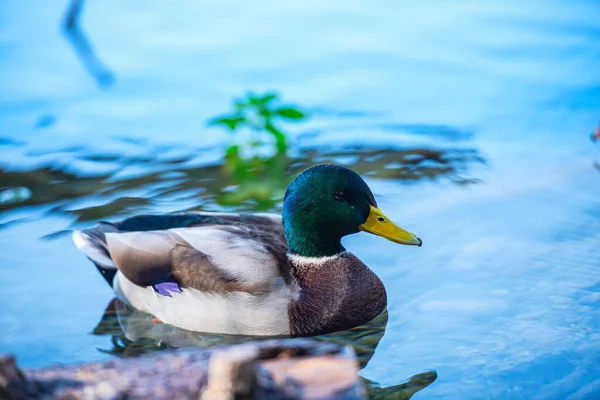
(143, 257)
(146, 258)
(194, 269)
(92, 244)
(212, 253)
(93, 249)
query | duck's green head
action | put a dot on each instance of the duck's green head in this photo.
(327, 202)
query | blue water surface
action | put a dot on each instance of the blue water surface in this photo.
(502, 300)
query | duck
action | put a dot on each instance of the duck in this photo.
(255, 274)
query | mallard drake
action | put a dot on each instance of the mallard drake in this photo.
(252, 274)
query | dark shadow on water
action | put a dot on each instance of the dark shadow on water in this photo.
(77, 38)
(183, 183)
(403, 391)
(8, 141)
(134, 333)
(45, 121)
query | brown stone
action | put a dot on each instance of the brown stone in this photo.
(273, 369)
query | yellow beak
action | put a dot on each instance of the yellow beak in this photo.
(378, 224)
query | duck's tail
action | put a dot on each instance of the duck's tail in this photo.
(92, 243)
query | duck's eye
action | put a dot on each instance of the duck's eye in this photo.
(340, 196)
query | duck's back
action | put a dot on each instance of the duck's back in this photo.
(200, 271)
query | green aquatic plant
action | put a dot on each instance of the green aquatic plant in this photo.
(260, 114)
(256, 166)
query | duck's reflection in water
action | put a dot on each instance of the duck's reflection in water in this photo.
(134, 332)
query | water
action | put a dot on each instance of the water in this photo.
(469, 121)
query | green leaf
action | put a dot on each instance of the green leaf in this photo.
(265, 112)
(231, 122)
(260, 100)
(267, 98)
(290, 113)
(252, 99)
(280, 139)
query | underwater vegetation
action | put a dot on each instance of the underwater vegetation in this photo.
(257, 161)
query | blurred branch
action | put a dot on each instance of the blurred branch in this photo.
(71, 27)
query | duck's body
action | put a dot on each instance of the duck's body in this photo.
(236, 274)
